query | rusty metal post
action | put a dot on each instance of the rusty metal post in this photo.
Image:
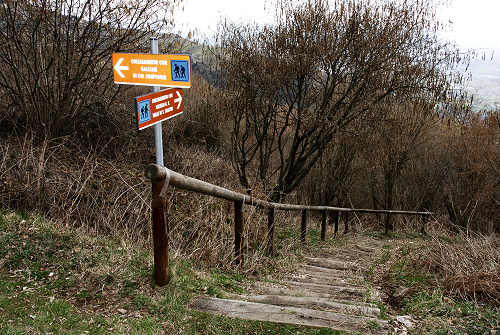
(238, 232)
(323, 225)
(303, 226)
(346, 222)
(160, 232)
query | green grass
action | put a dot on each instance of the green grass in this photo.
(61, 281)
(446, 315)
(438, 312)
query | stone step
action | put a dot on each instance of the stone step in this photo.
(290, 315)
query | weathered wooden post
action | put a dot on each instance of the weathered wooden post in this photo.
(303, 226)
(387, 225)
(323, 225)
(424, 219)
(346, 222)
(158, 178)
(270, 232)
(238, 232)
(334, 217)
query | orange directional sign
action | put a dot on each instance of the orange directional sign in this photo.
(152, 70)
(158, 106)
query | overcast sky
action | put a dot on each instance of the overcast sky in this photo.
(476, 23)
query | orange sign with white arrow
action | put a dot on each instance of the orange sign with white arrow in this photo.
(158, 106)
(152, 70)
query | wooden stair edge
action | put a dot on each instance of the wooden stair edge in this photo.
(288, 315)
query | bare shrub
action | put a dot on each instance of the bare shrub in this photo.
(78, 188)
(202, 122)
(469, 266)
(55, 59)
(111, 198)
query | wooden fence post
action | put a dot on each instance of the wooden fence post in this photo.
(346, 224)
(303, 226)
(387, 225)
(238, 232)
(160, 232)
(323, 225)
(424, 219)
(270, 232)
(334, 217)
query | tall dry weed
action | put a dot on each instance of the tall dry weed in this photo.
(468, 264)
(111, 198)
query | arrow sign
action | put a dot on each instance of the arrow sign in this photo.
(152, 70)
(179, 99)
(157, 107)
(119, 68)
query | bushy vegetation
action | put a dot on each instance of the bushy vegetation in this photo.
(369, 134)
(449, 281)
(60, 280)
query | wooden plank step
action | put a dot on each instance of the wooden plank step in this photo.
(306, 268)
(340, 292)
(315, 279)
(332, 264)
(365, 248)
(290, 315)
(267, 289)
(315, 302)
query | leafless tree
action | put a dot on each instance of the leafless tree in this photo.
(393, 143)
(291, 86)
(55, 56)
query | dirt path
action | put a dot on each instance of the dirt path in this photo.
(326, 291)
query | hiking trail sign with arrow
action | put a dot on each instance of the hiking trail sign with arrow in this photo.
(156, 70)
(158, 106)
(152, 70)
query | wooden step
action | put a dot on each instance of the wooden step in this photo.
(266, 288)
(340, 292)
(365, 248)
(315, 302)
(316, 279)
(332, 264)
(306, 268)
(290, 315)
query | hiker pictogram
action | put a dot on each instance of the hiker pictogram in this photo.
(180, 70)
(144, 111)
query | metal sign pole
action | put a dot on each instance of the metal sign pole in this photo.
(157, 127)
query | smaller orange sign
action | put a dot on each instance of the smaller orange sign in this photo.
(158, 106)
(152, 70)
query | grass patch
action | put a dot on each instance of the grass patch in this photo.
(419, 278)
(444, 315)
(61, 281)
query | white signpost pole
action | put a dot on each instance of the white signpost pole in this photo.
(157, 127)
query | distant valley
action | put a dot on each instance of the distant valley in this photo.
(485, 84)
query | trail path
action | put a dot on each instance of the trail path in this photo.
(325, 291)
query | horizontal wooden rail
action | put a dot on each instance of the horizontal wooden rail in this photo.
(162, 177)
(157, 172)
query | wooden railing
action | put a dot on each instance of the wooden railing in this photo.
(162, 177)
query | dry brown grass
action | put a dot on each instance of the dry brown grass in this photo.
(112, 198)
(462, 265)
(469, 265)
